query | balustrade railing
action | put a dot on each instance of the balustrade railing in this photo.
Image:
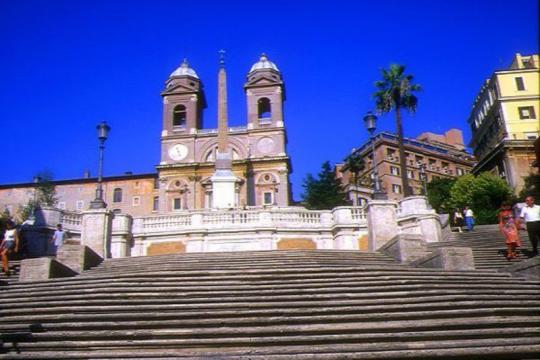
(166, 222)
(71, 220)
(297, 217)
(358, 214)
(230, 218)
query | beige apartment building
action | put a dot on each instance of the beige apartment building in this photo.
(260, 161)
(429, 156)
(505, 121)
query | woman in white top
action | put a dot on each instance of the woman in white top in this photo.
(9, 244)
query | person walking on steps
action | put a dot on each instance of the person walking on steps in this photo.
(9, 244)
(458, 219)
(531, 215)
(469, 218)
(509, 228)
(58, 237)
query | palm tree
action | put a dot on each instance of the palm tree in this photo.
(395, 91)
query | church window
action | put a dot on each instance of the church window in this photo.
(155, 206)
(117, 195)
(179, 116)
(264, 110)
(177, 204)
(268, 198)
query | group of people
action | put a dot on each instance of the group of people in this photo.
(464, 218)
(510, 226)
(11, 243)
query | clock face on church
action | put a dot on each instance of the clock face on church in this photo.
(178, 152)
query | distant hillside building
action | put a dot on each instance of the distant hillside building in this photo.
(439, 156)
(505, 121)
(183, 179)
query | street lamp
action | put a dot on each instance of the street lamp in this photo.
(370, 120)
(103, 130)
(423, 177)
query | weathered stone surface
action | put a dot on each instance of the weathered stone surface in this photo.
(78, 257)
(405, 248)
(169, 247)
(529, 268)
(382, 223)
(448, 258)
(97, 230)
(298, 244)
(43, 269)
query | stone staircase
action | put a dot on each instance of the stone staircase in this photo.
(14, 266)
(273, 305)
(488, 246)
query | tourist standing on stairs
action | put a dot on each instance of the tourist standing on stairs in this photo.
(531, 215)
(9, 244)
(458, 219)
(58, 237)
(509, 228)
(469, 218)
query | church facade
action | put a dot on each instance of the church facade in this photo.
(260, 163)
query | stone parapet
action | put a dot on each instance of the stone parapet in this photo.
(382, 223)
(529, 268)
(448, 258)
(43, 269)
(78, 257)
(405, 248)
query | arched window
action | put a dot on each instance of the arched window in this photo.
(264, 109)
(117, 195)
(179, 116)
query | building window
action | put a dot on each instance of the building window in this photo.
(526, 112)
(460, 172)
(62, 205)
(136, 185)
(136, 201)
(520, 84)
(394, 170)
(410, 174)
(177, 204)
(179, 116)
(117, 195)
(531, 135)
(155, 206)
(156, 183)
(268, 198)
(264, 110)
(396, 189)
(79, 205)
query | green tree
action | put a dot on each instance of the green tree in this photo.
(45, 189)
(325, 192)
(438, 193)
(461, 193)
(531, 187)
(355, 164)
(395, 91)
(484, 194)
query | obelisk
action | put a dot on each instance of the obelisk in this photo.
(223, 180)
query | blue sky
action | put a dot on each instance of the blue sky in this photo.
(67, 65)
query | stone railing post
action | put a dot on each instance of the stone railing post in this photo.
(121, 235)
(342, 215)
(382, 222)
(96, 231)
(428, 221)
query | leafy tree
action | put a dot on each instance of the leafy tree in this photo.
(45, 189)
(461, 193)
(484, 194)
(395, 91)
(531, 187)
(325, 192)
(355, 164)
(438, 193)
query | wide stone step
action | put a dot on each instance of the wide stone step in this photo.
(154, 315)
(116, 304)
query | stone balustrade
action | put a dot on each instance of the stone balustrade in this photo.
(71, 221)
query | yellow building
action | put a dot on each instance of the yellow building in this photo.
(505, 123)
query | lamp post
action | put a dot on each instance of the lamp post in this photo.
(423, 177)
(32, 217)
(370, 120)
(103, 130)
